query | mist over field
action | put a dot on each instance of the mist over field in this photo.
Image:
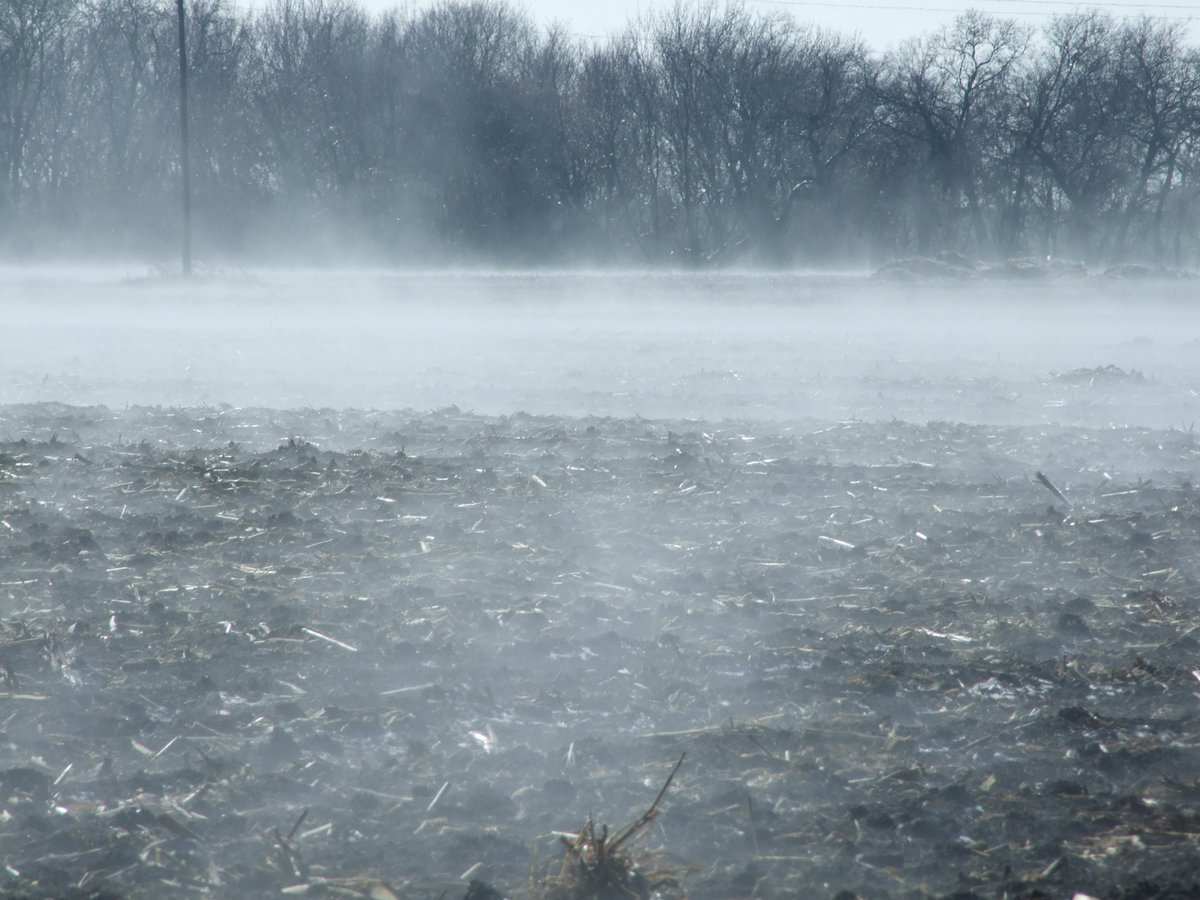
(376, 584)
(722, 412)
(705, 346)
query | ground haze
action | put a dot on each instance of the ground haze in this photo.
(704, 346)
(368, 584)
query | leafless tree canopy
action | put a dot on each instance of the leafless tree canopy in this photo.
(707, 135)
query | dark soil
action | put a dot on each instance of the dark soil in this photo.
(341, 653)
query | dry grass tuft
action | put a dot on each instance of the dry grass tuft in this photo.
(598, 866)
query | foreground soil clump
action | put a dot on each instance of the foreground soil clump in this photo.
(244, 652)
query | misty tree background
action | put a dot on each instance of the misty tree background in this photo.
(708, 135)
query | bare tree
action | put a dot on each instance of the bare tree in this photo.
(683, 40)
(752, 88)
(1162, 80)
(32, 45)
(309, 71)
(834, 92)
(474, 121)
(605, 128)
(941, 94)
(705, 135)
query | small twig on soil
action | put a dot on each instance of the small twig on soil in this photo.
(287, 858)
(533, 871)
(648, 816)
(299, 821)
(332, 640)
(1045, 482)
(165, 747)
(753, 830)
(437, 797)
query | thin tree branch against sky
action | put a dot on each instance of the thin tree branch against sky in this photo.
(880, 23)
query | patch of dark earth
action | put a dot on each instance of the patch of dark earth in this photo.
(249, 652)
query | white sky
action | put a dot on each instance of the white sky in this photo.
(881, 23)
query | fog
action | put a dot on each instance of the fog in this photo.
(699, 346)
(294, 595)
(313, 580)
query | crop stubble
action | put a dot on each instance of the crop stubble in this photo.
(236, 661)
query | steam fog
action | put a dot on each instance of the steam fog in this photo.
(700, 346)
(376, 581)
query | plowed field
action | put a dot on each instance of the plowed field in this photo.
(259, 639)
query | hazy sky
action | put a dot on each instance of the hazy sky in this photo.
(880, 23)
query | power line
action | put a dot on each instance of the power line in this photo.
(1189, 7)
(887, 7)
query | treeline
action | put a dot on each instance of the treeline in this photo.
(705, 135)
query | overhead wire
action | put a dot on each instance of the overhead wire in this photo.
(958, 9)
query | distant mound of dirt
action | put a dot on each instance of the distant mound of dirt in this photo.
(1134, 272)
(1100, 374)
(1034, 269)
(945, 265)
(951, 266)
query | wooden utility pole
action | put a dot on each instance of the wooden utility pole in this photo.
(185, 166)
